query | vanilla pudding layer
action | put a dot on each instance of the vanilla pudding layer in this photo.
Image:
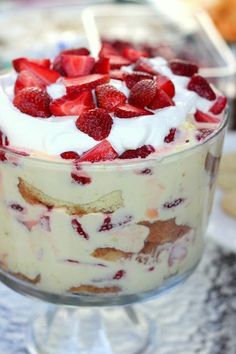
(127, 231)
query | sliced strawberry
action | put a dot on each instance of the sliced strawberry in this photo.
(144, 66)
(108, 97)
(171, 136)
(85, 82)
(28, 79)
(165, 84)
(202, 117)
(203, 133)
(117, 74)
(69, 155)
(96, 123)
(20, 64)
(101, 152)
(132, 78)
(102, 66)
(142, 152)
(201, 86)
(128, 111)
(48, 76)
(183, 67)
(77, 65)
(219, 105)
(161, 100)
(34, 102)
(132, 54)
(76, 51)
(107, 50)
(142, 93)
(80, 179)
(79, 229)
(72, 104)
(117, 61)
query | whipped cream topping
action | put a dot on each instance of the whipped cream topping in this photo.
(58, 134)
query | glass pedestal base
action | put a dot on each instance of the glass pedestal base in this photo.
(67, 330)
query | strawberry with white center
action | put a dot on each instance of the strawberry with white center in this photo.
(77, 65)
(85, 82)
(72, 104)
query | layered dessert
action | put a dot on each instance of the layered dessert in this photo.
(108, 166)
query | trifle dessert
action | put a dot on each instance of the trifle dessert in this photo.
(108, 167)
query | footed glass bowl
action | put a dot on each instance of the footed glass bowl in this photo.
(103, 234)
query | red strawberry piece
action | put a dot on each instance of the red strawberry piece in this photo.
(161, 100)
(72, 104)
(144, 66)
(28, 79)
(80, 179)
(165, 84)
(107, 50)
(219, 105)
(142, 152)
(132, 78)
(57, 65)
(96, 123)
(34, 102)
(48, 76)
(119, 274)
(77, 65)
(170, 137)
(108, 97)
(200, 85)
(202, 117)
(3, 156)
(183, 67)
(142, 93)
(107, 224)
(101, 152)
(69, 155)
(203, 133)
(128, 111)
(132, 54)
(102, 66)
(85, 82)
(79, 229)
(20, 64)
(117, 61)
(117, 74)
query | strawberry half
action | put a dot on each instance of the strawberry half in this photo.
(132, 54)
(20, 64)
(76, 51)
(48, 76)
(117, 61)
(142, 152)
(144, 66)
(219, 105)
(96, 123)
(72, 104)
(107, 50)
(117, 74)
(132, 78)
(183, 67)
(202, 117)
(77, 65)
(101, 152)
(142, 93)
(102, 66)
(108, 97)
(165, 84)
(161, 100)
(201, 86)
(86, 82)
(28, 79)
(34, 102)
(128, 111)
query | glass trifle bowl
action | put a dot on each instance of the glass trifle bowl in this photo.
(105, 222)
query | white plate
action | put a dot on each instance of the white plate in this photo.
(222, 227)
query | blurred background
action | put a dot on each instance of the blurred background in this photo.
(203, 31)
